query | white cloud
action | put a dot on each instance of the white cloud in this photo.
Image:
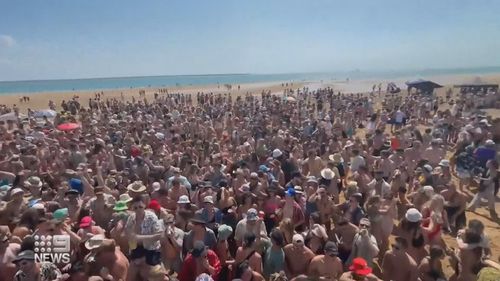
(6, 41)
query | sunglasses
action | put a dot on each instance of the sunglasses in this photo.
(24, 263)
(364, 226)
(138, 207)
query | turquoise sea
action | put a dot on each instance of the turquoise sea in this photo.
(8, 87)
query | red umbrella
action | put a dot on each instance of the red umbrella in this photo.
(68, 126)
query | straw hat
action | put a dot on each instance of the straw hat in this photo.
(183, 199)
(125, 198)
(33, 182)
(336, 157)
(327, 174)
(94, 242)
(136, 187)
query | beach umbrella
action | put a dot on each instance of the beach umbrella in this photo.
(68, 126)
(11, 117)
(49, 113)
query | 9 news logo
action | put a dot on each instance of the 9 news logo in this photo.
(52, 248)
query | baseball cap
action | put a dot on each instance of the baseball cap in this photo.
(297, 239)
(331, 248)
(252, 215)
(85, 222)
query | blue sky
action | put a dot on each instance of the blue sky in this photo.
(50, 39)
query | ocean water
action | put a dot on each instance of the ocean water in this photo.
(9, 87)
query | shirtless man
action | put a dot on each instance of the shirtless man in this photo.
(434, 153)
(344, 234)
(412, 156)
(398, 265)
(174, 193)
(107, 256)
(297, 256)
(8, 252)
(327, 266)
(455, 206)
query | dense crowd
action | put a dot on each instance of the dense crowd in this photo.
(305, 185)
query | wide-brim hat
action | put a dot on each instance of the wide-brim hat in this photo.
(136, 187)
(125, 197)
(360, 267)
(327, 174)
(336, 157)
(33, 182)
(120, 206)
(198, 218)
(183, 199)
(94, 242)
(25, 255)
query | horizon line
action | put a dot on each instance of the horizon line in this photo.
(356, 70)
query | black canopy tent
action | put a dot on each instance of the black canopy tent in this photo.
(423, 86)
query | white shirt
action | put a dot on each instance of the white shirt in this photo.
(242, 227)
(386, 188)
(357, 162)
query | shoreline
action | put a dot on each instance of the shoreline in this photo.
(39, 100)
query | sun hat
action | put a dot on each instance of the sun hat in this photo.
(183, 199)
(252, 215)
(125, 197)
(85, 222)
(199, 249)
(331, 248)
(312, 179)
(327, 174)
(136, 187)
(413, 215)
(198, 218)
(336, 157)
(224, 231)
(25, 255)
(484, 122)
(277, 153)
(297, 239)
(208, 199)
(94, 242)
(360, 267)
(120, 206)
(33, 181)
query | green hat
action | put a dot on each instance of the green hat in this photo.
(60, 214)
(120, 206)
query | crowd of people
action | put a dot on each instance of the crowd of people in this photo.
(311, 185)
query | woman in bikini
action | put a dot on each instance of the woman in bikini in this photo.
(434, 221)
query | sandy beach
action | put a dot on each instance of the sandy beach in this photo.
(40, 100)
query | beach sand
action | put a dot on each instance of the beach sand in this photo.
(40, 101)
